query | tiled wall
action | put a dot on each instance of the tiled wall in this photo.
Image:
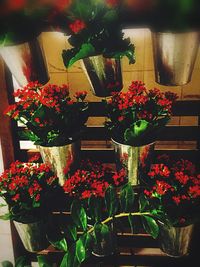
(143, 69)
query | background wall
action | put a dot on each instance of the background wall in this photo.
(143, 69)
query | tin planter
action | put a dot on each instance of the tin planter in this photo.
(61, 159)
(106, 245)
(174, 56)
(104, 74)
(32, 235)
(135, 160)
(175, 241)
(26, 62)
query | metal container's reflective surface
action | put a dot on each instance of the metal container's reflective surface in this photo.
(33, 235)
(175, 241)
(104, 74)
(174, 56)
(26, 62)
(105, 244)
(135, 160)
(61, 159)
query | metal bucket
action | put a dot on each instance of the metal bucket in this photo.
(32, 235)
(104, 74)
(174, 56)
(135, 160)
(175, 241)
(61, 159)
(26, 62)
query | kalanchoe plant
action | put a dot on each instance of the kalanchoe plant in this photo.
(138, 115)
(52, 117)
(175, 190)
(95, 28)
(27, 188)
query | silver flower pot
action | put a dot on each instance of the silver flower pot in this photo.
(32, 235)
(26, 62)
(61, 159)
(174, 56)
(175, 241)
(135, 160)
(106, 245)
(104, 74)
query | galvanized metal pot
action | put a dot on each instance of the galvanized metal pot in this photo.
(175, 241)
(136, 160)
(104, 74)
(174, 56)
(61, 159)
(26, 61)
(106, 245)
(32, 235)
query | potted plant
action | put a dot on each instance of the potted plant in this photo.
(20, 45)
(136, 118)
(28, 189)
(175, 34)
(174, 190)
(54, 122)
(96, 38)
(88, 184)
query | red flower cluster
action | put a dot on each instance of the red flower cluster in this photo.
(25, 186)
(92, 179)
(178, 181)
(148, 105)
(77, 26)
(175, 188)
(136, 116)
(47, 109)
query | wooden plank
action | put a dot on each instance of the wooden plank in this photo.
(6, 138)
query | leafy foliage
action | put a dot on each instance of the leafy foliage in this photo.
(28, 189)
(138, 116)
(51, 116)
(95, 28)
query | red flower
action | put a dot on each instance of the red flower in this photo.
(181, 177)
(15, 198)
(176, 199)
(77, 26)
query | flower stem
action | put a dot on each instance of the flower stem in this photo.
(121, 215)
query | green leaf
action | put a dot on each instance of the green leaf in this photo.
(95, 208)
(22, 262)
(111, 201)
(143, 203)
(64, 260)
(136, 130)
(127, 198)
(72, 232)
(6, 216)
(43, 261)
(87, 240)
(7, 264)
(3, 205)
(70, 57)
(101, 233)
(150, 226)
(79, 215)
(70, 259)
(60, 244)
(131, 223)
(80, 251)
